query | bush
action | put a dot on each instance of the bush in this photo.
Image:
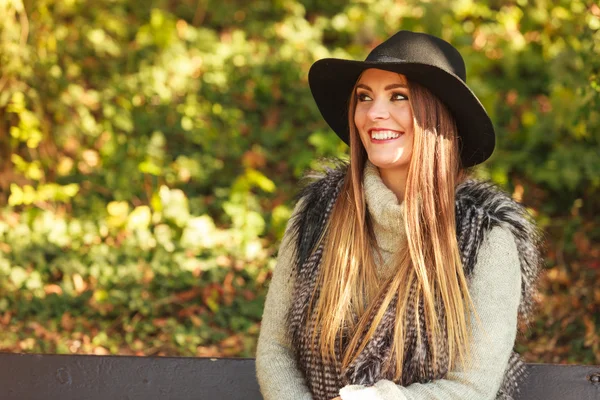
(150, 156)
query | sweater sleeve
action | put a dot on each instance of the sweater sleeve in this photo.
(495, 288)
(276, 370)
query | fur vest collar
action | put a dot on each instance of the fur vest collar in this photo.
(480, 206)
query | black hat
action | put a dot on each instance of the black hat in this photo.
(422, 58)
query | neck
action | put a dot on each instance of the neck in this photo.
(395, 180)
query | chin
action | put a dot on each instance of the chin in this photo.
(387, 163)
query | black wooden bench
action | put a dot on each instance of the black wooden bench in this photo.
(47, 377)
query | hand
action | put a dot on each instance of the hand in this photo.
(337, 398)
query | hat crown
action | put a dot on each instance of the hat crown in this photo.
(416, 47)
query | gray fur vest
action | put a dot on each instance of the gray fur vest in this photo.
(479, 207)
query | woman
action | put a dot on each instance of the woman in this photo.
(398, 278)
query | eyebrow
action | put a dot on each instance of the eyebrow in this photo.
(388, 87)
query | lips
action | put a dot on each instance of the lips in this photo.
(380, 135)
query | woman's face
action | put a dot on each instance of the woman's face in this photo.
(384, 118)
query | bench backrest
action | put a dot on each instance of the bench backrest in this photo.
(35, 376)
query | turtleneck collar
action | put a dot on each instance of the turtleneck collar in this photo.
(387, 213)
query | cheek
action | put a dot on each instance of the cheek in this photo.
(409, 121)
(405, 118)
(359, 118)
(359, 121)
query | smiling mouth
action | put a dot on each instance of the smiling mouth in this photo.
(384, 134)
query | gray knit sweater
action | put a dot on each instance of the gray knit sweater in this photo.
(494, 288)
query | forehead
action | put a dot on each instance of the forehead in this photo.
(373, 76)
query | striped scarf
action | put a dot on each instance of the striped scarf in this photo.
(479, 207)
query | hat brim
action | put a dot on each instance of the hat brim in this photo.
(331, 81)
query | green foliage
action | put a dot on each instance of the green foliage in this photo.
(149, 157)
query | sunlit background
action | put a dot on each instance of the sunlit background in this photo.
(150, 152)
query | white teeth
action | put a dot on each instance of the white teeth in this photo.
(384, 135)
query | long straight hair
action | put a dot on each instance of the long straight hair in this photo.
(351, 300)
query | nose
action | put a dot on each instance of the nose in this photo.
(378, 110)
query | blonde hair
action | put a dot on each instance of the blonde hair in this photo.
(349, 293)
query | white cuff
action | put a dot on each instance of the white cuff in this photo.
(382, 390)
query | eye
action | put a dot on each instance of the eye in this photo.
(397, 96)
(362, 97)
